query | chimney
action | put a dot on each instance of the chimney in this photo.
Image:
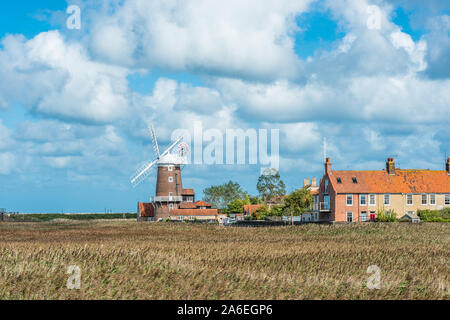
(327, 166)
(390, 166)
(447, 167)
(314, 182)
(305, 182)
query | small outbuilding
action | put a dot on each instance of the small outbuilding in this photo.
(411, 217)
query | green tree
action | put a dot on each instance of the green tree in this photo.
(220, 196)
(270, 185)
(262, 212)
(276, 211)
(298, 202)
(235, 206)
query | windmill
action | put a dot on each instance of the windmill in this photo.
(165, 159)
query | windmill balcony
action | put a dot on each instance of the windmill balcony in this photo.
(167, 199)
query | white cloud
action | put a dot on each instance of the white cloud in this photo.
(247, 38)
(5, 137)
(59, 79)
(7, 163)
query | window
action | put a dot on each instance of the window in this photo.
(424, 199)
(170, 179)
(409, 199)
(354, 180)
(363, 200)
(372, 200)
(180, 217)
(349, 216)
(447, 199)
(339, 180)
(170, 168)
(364, 216)
(432, 199)
(171, 206)
(349, 199)
(373, 215)
(387, 199)
(326, 203)
(326, 185)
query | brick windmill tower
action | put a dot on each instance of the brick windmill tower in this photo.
(169, 186)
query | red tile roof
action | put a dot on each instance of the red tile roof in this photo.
(404, 181)
(188, 205)
(146, 209)
(188, 192)
(201, 203)
(251, 208)
(193, 212)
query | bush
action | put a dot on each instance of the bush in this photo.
(386, 216)
(434, 215)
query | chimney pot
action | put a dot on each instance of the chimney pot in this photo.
(447, 166)
(390, 166)
(314, 182)
(305, 182)
(327, 166)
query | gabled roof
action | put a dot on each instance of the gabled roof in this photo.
(379, 181)
(188, 192)
(201, 203)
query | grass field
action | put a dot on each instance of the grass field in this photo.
(128, 260)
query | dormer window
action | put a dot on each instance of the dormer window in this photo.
(339, 180)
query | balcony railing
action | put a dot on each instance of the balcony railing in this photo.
(167, 199)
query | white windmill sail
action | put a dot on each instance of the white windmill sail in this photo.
(144, 171)
(155, 142)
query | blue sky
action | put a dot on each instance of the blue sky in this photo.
(75, 104)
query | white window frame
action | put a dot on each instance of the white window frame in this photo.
(170, 179)
(364, 217)
(412, 199)
(170, 206)
(426, 199)
(349, 212)
(170, 168)
(374, 199)
(360, 199)
(347, 198)
(447, 200)
(432, 199)
(388, 197)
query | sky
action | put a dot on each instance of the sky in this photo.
(370, 76)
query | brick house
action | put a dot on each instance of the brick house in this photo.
(357, 196)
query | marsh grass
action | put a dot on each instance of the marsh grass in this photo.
(129, 260)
